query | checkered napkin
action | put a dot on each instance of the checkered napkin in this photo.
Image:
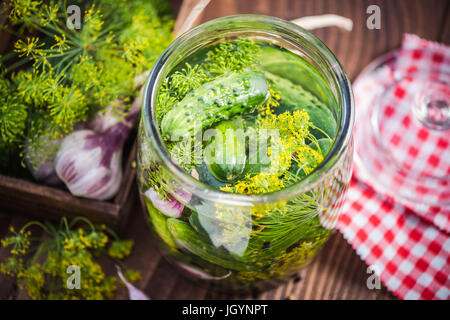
(409, 248)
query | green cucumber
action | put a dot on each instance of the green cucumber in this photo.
(199, 245)
(220, 99)
(226, 157)
(158, 221)
(294, 97)
(288, 65)
(206, 176)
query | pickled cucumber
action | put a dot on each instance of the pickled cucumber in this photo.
(226, 157)
(158, 222)
(217, 100)
(294, 97)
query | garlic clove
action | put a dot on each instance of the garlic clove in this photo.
(133, 292)
(170, 207)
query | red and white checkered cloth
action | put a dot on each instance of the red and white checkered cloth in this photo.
(410, 250)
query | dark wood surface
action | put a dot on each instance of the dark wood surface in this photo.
(337, 272)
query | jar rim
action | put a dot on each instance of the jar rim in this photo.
(205, 191)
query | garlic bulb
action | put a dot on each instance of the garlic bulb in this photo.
(90, 162)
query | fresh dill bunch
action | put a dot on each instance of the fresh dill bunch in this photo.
(186, 80)
(176, 86)
(42, 270)
(165, 100)
(71, 75)
(282, 225)
(288, 262)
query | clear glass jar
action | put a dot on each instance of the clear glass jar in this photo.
(236, 254)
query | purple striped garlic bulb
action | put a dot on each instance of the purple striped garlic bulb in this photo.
(90, 162)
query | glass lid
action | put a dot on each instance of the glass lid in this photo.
(402, 133)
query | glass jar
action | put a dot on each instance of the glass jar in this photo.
(237, 240)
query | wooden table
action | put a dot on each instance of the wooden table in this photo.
(337, 272)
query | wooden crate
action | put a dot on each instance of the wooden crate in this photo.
(23, 197)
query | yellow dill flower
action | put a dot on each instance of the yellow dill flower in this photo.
(49, 14)
(33, 281)
(97, 239)
(308, 158)
(19, 241)
(285, 149)
(273, 102)
(132, 275)
(120, 249)
(60, 43)
(11, 266)
(29, 48)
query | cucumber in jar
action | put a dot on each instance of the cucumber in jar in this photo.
(159, 224)
(214, 101)
(226, 154)
(294, 97)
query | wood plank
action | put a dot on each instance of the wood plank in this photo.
(445, 34)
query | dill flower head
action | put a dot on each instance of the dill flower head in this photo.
(19, 241)
(96, 240)
(120, 249)
(33, 280)
(132, 275)
(11, 266)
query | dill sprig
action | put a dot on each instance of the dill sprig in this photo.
(175, 87)
(231, 56)
(42, 270)
(187, 153)
(189, 78)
